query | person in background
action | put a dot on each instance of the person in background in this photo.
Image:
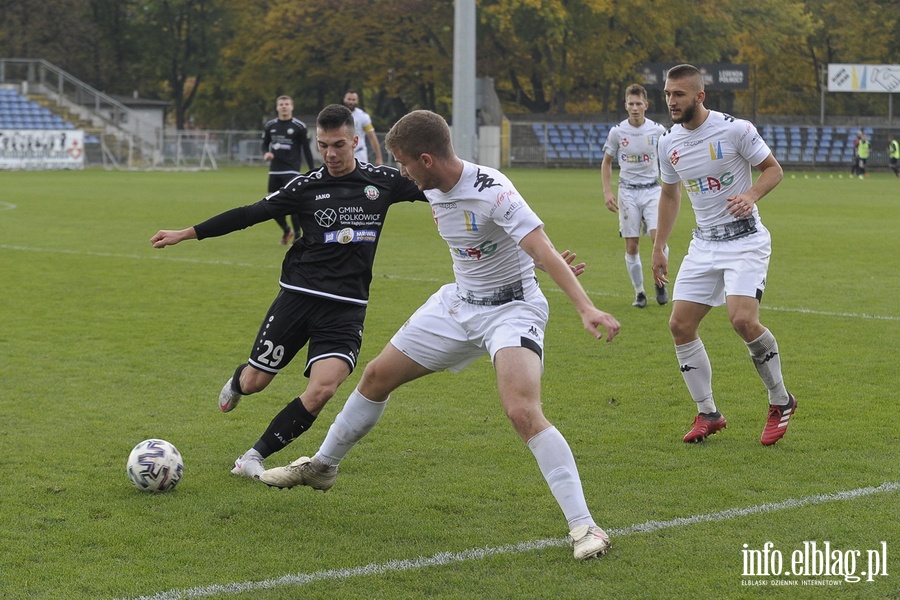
(364, 130)
(285, 142)
(863, 149)
(894, 156)
(633, 142)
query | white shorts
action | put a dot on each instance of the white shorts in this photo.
(638, 210)
(447, 333)
(713, 270)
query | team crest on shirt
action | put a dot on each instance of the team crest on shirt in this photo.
(372, 192)
(674, 158)
(624, 143)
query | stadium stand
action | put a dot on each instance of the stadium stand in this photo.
(18, 112)
(823, 146)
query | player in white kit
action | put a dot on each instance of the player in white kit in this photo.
(633, 143)
(711, 154)
(365, 131)
(494, 307)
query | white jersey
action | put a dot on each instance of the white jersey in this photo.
(483, 219)
(635, 149)
(714, 163)
(363, 123)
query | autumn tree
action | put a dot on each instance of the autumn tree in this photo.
(182, 40)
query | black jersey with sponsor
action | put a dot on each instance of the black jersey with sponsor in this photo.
(341, 219)
(286, 140)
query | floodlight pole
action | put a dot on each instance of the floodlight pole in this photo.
(463, 122)
(822, 95)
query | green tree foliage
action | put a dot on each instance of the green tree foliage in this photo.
(396, 54)
(223, 62)
(183, 39)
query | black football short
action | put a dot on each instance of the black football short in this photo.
(332, 330)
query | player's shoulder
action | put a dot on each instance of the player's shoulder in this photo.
(651, 124)
(671, 132)
(312, 179)
(298, 122)
(270, 123)
(486, 181)
(382, 175)
(726, 121)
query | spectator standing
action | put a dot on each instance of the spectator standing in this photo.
(894, 156)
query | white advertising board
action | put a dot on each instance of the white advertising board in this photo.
(41, 149)
(863, 78)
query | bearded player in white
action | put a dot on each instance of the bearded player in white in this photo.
(633, 143)
(494, 307)
(711, 154)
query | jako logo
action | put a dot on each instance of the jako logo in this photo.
(323, 196)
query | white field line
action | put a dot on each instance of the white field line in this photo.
(447, 558)
(276, 265)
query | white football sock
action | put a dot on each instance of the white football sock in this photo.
(554, 457)
(697, 373)
(355, 420)
(635, 271)
(767, 360)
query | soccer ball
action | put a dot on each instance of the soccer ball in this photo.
(155, 466)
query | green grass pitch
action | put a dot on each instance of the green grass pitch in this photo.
(105, 341)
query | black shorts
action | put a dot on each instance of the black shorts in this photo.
(332, 329)
(279, 180)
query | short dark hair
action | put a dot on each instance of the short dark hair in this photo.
(684, 71)
(420, 132)
(335, 116)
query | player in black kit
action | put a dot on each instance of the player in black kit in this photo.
(283, 141)
(324, 281)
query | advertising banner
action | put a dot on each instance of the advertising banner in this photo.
(41, 149)
(716, 76)
(863, 78)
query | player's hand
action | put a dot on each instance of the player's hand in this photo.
(611, 203)
(595, 319)
(660, 266)
(740, 206)
(170, 237)
(569, 257)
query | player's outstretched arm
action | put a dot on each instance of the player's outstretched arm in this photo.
(170, 237)
(539, 247)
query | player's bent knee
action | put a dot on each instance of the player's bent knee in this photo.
(253, 380)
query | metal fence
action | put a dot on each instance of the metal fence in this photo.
(526, 144)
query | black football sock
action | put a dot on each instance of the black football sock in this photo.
(287, 425)
(236, 380)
